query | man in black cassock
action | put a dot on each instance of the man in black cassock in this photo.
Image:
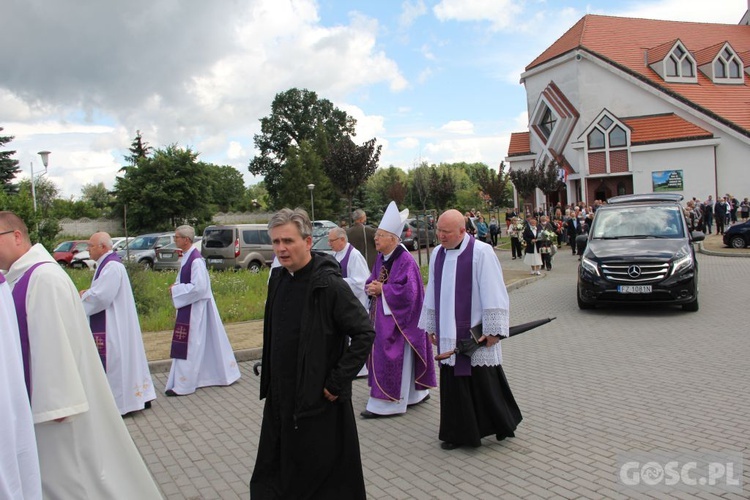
(308, 445)
(466, 289)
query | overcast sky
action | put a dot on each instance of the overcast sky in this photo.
(434, 81)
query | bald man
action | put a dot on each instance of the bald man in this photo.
(85, 450)
(113, 319)
(475, 399)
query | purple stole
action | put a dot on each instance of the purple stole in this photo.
(181, 332)
(385, 271)
(98, 321)
(19, 298)
(345, 262)
(464, 277)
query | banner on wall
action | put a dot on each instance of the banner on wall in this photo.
(667, 180)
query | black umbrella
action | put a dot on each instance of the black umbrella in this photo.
(468, 346)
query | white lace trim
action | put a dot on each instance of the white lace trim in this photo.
(496, 322)
(484, 356)
(427, 321)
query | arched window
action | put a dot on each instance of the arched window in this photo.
(679, 63)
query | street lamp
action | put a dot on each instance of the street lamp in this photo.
(312, 200)
(45, 161)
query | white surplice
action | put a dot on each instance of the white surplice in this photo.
(19, 463)
(127, 367)
(357, 273)
(210, 359)
(90, 453)
(490, 304)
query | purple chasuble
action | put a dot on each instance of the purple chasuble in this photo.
(19, 299)
(464, 276)
(345, 262)
(98, 321)
(404, 293)
(182, 324)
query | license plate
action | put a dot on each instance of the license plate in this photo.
(634, 288)
(215, 261)
(166, 255)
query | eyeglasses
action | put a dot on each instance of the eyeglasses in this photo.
(334, 239)
(8, 232)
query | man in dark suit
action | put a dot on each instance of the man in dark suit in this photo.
(574, 227)
(362, 237)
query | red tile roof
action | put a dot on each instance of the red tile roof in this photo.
(520, 144)
(663, 128)
(625, 42)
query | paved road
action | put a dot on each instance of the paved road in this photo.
(595, 388)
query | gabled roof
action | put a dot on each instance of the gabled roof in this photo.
(625, 43)
(663, 128)
(520, 144)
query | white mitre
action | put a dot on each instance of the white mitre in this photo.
(393, 220)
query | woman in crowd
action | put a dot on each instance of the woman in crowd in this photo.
(482, 229)
(546, 235)
(531, 235)
(745, 209)
(494, 230)
(515, 231)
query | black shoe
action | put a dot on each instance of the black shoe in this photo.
(426, 398)
(368, 414)
(446, 445)
(170, 393)
(147, 405)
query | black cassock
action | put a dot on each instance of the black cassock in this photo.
(315, 457)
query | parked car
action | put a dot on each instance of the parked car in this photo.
(738, 235)
(169, 257)
(321, 228)
(120, 242)
(237, 246)
(142, 250)
(82, 260)
(418, 233)
(322, 245)
(65, 251)
(639, 250)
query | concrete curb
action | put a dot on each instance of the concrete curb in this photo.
(702, 250)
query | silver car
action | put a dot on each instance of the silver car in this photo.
(169, 257)
(142, 250)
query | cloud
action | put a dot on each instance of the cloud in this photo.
(189, 72)
(410, 12)
(460, 127)
(500, 13)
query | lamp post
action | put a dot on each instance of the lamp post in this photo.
(45, 162)
(312, 201)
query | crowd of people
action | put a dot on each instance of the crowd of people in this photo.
(725, 211)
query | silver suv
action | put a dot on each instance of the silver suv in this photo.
(237, 246)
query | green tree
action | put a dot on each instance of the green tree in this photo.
(165, 190)
(549, 177)
(8, 166)
(304, 167)
(139, 150)
(296, 116)
(227, 187)
(348, 166)
(443, 189)
(494, 185)
(420, 185)
(525, 181)
(387, 184)
(98, 197)
(255, 198)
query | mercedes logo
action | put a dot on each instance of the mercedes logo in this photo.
(634, 271)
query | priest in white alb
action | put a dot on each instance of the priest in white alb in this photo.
(113, 319)
(354, 270)
(201, 353)
(19, 463)
(85, 450)
(466, 289)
